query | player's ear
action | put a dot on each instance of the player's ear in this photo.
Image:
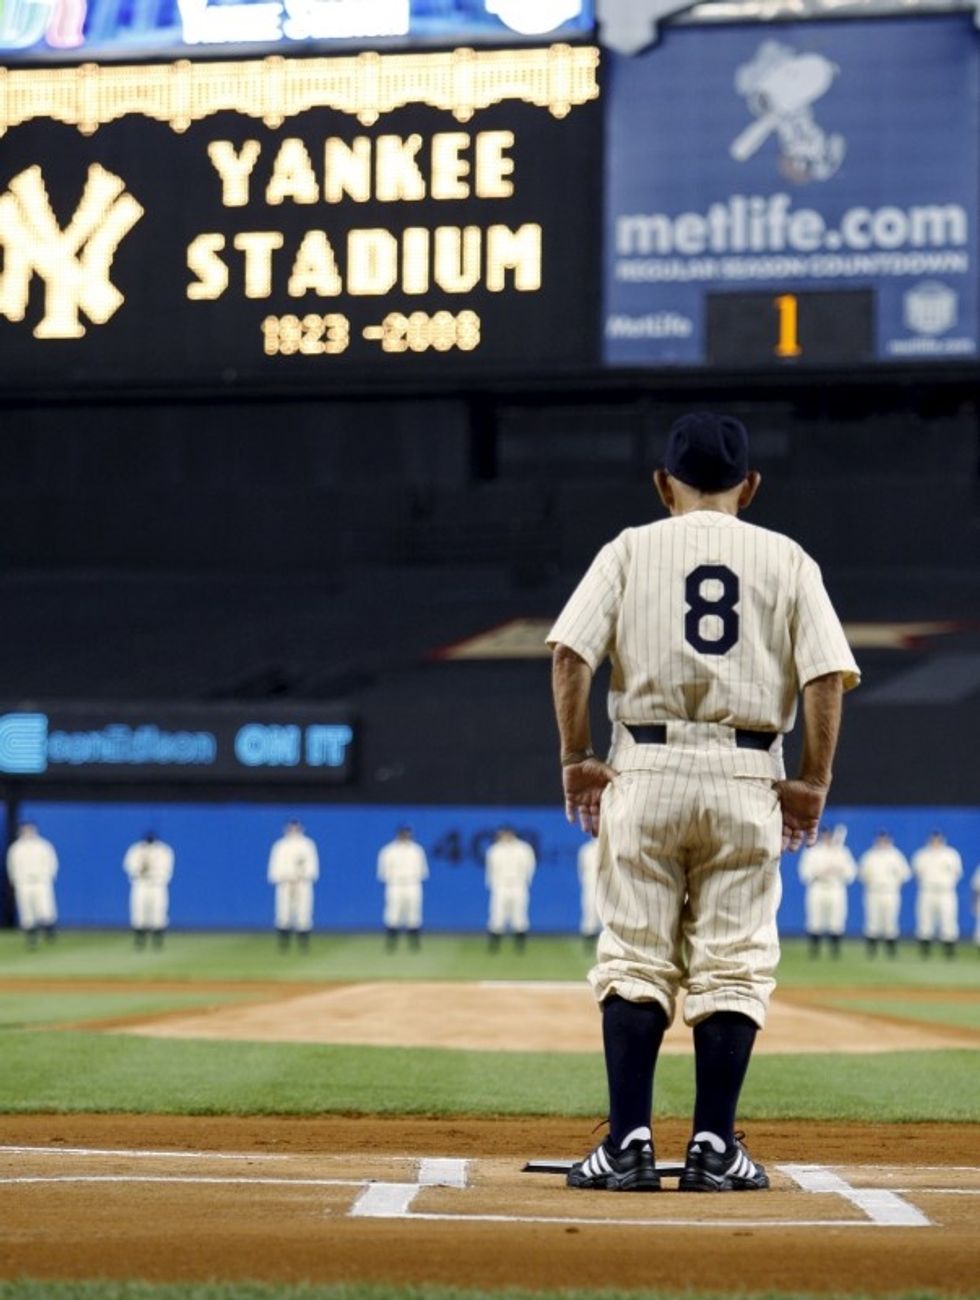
(749, 488)
(661, 481)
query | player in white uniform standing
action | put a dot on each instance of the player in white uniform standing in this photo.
(588, 874)
(712, 627)
(826, 870)
(937, 868)
(402, 867)
(510, 864)
(32, 866)
(883, 870)
(294, 868)
(149, 864)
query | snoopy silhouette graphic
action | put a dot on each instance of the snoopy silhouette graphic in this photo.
(780, 88)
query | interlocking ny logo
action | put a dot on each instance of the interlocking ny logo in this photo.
(74, 263)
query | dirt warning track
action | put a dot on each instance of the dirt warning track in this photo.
(447, 1201)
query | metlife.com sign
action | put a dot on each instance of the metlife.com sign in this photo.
(123, 743)
(795, 159)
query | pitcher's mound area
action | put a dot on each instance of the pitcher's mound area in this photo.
(520, 1017)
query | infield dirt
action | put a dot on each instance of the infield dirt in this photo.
(522, 1017)
(173, 1198)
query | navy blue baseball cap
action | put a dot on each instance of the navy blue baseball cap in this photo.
(707, 451)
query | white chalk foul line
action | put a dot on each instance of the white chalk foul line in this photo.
(642, 1223)
(183, 1180)
(885, 1209)
(133, 1154)
(917, 1169)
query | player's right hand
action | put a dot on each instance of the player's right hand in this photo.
(583, 784)
(802, 804)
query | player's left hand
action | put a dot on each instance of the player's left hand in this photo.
(583, 784)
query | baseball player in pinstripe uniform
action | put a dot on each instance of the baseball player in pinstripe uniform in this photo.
(826, 870)
(883, 871)
(713, 627)
(937, 868)
(510, 867)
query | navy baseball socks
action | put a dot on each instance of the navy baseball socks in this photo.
(716, 1159)
(631, 1033)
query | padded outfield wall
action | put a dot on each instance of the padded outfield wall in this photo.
(222, 853)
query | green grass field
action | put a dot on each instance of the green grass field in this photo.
(118, 1072)
(53, 1064)
(109, 955)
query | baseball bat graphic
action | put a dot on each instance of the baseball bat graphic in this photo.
(745, 145)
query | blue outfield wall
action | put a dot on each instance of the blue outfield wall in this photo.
(222, 851)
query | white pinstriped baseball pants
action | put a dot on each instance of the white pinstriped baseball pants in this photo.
(936, 915)
(35, 904)
(825, 907)
(881, 912)
(688, 889)
(294, 905)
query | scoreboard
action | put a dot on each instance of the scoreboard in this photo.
(794, 196)
(728, 200)
(300, 221)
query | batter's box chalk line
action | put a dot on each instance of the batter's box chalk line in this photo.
(880, 1208)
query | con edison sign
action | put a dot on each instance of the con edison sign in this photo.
(143, 744)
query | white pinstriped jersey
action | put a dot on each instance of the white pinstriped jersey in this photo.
(403, 862)
(293, 857)
(510, 864)
(827, 864)
(31, 860)
(937, 866)
(706, 619)
(884, 867)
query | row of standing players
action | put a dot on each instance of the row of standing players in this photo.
(829, 867)
(294, 868)
(826, 870)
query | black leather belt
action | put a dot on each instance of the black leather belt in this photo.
(655, 733)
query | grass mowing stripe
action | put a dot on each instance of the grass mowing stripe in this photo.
(117, 1072)
(42, 1007)
(962, 1015)
(109, 955)
(99, 955)
(28, 1289)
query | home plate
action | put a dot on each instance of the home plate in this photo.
(668, 1168)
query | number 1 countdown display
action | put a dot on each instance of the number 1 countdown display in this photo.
(792, 195)
(299, 222)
